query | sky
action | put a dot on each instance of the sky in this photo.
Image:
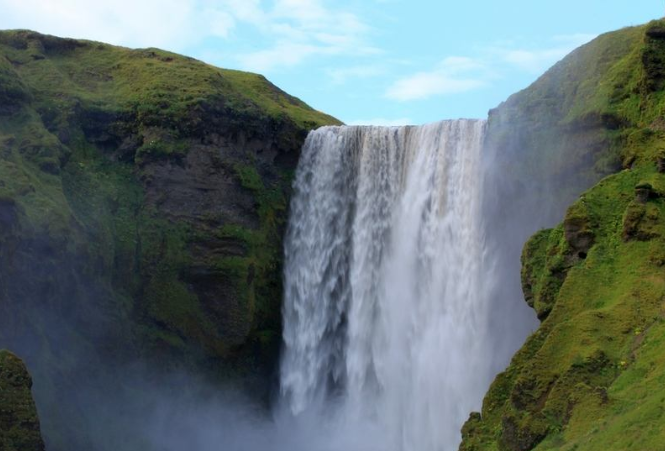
(383, 62)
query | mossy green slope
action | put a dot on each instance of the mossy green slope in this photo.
(158, 86)
(19, 425)
(143, 197)
(592, 377)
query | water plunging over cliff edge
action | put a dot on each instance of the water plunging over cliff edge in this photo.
(386, 304)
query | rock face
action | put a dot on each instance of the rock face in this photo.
(19, 425)
(591, 376)
(143, 197)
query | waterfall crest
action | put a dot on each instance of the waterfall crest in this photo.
(385, 304)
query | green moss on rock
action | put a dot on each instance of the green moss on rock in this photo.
(542, 276)
(19, 424)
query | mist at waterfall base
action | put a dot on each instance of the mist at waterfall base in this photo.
(402, 302)
(402, 281)
(402, 293)
(386, 311)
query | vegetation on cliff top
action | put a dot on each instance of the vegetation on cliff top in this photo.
(159, 87)
(592, 377)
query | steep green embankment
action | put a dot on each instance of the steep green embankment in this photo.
(142, 202)
(592, 377)
(19, 425)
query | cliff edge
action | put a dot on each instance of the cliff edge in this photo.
(591, 376)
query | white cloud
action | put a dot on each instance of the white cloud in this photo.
(463, 74)
(453, 75)
(459, 64)
(383, 122)
(221, 23)
(576, 39)
(534, 60)
(425, 85)
(305, 28)
(539, 60)
(295, 29)
(173, 24)
(283, 54)
(342, 75)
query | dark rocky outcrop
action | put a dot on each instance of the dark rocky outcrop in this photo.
(19, 424)
(660, 161)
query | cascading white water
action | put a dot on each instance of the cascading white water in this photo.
(385, 307)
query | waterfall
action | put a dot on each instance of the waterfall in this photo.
(386, 305)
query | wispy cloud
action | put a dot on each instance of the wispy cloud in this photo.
(173, 24)
(463, 74)
(453, 75)
(294, 30)
(383, 122)
(539, 59)
(576, 39)
(342, 75)
(300, 29)
(282, 54)
(533, 60)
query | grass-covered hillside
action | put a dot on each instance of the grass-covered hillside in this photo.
(592, 377)
(142, 200)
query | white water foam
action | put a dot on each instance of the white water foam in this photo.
(386, 305)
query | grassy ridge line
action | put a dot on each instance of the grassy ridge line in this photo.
(159, 85)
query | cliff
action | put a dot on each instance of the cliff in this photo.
(19, 425)
(142, 202)
(591, 376)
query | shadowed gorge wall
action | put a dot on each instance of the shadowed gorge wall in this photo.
(590, 377)
(142, 205)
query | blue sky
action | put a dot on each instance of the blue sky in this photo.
(363, 61)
